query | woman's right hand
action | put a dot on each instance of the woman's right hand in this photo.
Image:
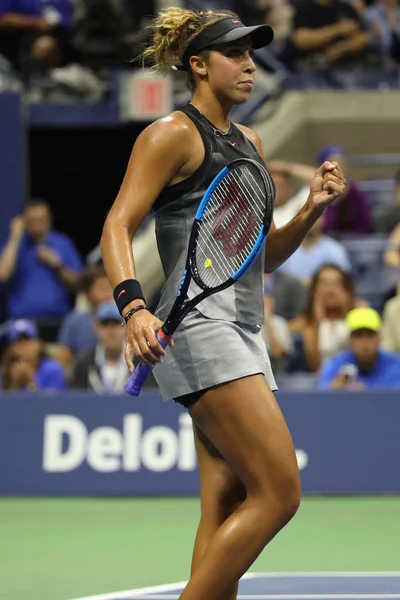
(142, 341)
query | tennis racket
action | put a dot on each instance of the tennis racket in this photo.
(228, 233)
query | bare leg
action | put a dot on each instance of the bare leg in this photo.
(221, 493)
(243, 421)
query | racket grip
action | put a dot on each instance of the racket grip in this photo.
(136, 381)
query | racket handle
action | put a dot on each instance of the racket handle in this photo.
(136, 381)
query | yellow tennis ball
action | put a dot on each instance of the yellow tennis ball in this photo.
(208, 263)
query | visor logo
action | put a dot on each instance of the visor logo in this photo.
(235, 21)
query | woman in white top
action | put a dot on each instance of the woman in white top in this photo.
(322, 326)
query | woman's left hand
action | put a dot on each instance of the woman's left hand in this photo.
(328, 185)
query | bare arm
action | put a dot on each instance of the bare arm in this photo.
(49, 257)
(8, 258)
(392, 255)
(311, 347)
(69, 277)
(352, 45)
(16, 21)
(160, 152)
(64, 355)
(306, 38)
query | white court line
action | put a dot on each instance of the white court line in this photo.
(294, 597)
(127, 594)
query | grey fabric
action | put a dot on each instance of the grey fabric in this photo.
(209, 352)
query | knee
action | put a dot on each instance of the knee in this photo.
(280, 501)
(291, 502)
(288, 498)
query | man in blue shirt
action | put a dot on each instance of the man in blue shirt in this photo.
(41, 265)
(365, 365)
(77, 332)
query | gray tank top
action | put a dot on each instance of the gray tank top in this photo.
(174, 211)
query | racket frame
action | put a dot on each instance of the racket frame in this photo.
(182, 306)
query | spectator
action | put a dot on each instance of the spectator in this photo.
(288, 203)
(102, 368)
(392, 254)
(327, 33)
(322, 328)
(390, 333)
(316, 251)
(277, 336)
(386, 217)
(26, 366)
(383, 21)
(35, 35)
(40, 264)
(365, 365)
(351, 214)
(288, 292)
(77, 331)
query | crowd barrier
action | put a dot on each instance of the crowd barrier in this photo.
(85, 445)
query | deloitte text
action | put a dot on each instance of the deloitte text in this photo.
(68, 444)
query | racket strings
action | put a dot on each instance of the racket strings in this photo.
(231, 224)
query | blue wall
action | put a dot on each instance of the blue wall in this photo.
(77, 444)
(12, 160)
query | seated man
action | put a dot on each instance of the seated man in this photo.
(102, 368)
(77, 332)
(40, 265)
(365, 365)
(328, 32)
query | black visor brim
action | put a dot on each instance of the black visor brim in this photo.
(260, 36)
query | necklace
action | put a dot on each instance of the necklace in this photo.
(216, 130)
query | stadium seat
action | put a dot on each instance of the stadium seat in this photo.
(375, 283)
(365, 251)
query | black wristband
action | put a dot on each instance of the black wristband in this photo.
(125, 292)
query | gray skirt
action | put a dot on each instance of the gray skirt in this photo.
(208, 352)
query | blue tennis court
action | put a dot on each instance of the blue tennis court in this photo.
(287, 586)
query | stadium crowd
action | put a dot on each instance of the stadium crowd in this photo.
(332, 311)
(40, 38)
(328, 313)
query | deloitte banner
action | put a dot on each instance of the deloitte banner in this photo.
(81, 444)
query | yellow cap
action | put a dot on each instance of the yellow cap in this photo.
(363, 318)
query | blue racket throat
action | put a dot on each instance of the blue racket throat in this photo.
(209, 191)
(228, 234)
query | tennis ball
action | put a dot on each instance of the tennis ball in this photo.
(208, 263)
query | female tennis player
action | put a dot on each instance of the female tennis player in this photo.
(218, 366)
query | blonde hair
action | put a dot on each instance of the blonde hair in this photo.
(173, 30)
